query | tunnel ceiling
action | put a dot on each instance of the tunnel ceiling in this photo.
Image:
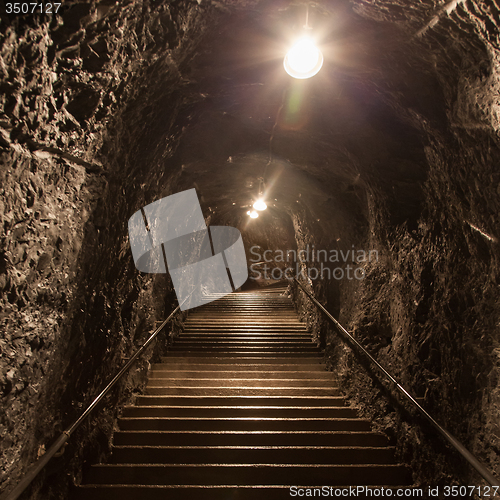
(322, 141)
(357, 128)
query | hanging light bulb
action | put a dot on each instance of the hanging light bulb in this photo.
(304, 59)
(260, 205)
(253, 214)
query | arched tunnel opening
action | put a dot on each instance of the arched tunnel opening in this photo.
(384, 163)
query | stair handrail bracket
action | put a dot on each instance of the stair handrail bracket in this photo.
(37, 467)
(354, 343)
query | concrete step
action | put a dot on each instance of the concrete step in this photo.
(245, 357)
(237, 307)
(248, 474)
(253, 342)
(254, 317)
(245, 349)
(242, 424)
(241, 401)
(245, 309)
(247, 367)
(235, 412)
(241, 382)
(243, 322)
(249, 455)
(174, 373)
(244, 326)
(241, 333)
(249, 438)
(244, 337)
(242, 330)
(269, 302)
(254, 307)
(231, 492)
(241, 316)
(297, 360)
(242, 391)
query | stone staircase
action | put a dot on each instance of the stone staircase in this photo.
(241, 408)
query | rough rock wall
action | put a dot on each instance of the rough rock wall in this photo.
(85, 141)
(427, 308)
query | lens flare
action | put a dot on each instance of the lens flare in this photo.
(253, 214)
(303, 60)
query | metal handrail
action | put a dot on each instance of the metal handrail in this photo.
(63, 438)
(485, 473)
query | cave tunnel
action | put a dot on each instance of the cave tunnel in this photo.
(391, 151)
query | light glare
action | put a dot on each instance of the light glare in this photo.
(303, 60)
(260, 205)
(253, 214)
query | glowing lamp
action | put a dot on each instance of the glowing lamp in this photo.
(303, 60)
(260, 205)
(253, 214)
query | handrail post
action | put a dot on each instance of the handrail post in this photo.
(483, 471)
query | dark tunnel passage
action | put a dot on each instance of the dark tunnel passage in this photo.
(391, 150)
